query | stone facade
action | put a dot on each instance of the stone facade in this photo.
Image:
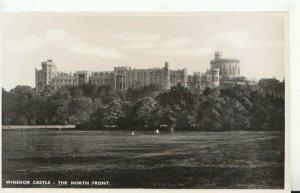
(123, 78)
(229, 68)
(199, 81)
(44, 76)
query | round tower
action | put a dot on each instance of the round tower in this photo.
(229, 67)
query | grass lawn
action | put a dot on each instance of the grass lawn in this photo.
(170, 160)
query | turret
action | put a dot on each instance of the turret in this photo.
(166, 65)
(168, 80)
(185, 77)
(215, 75)
(229, 67)
(218, 55)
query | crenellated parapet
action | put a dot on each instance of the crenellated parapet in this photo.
(229, 67)
(125, 77)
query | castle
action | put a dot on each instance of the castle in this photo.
(123, 78)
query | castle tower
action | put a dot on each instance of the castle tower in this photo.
(215, 77)
(49, 69)
(218, 55)
(185, 77)
(166, 65)
(44, 76)
(228, 67)
(167, 76)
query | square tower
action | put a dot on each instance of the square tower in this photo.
(43, 77)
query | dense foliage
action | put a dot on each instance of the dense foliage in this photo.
(240, 107)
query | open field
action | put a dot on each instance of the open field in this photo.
(177, 160)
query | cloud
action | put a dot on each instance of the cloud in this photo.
(179, 46)
(155, 44)
(29, 43)
(34, 42)
(177, 42)
(137, 37)
(144, 41)
(102, 52)
(243, 39)
(170, 43)
(61, 39)
(137, 45)
(187, 52)
(137, 40)
(148, 43)
(197, 51)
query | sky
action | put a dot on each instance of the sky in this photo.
(99, 42)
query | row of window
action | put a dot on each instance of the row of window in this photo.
(102, 81)
(64, 81)
(143, 73)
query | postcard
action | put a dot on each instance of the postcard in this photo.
(145, 101)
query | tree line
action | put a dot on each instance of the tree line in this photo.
(238, 107)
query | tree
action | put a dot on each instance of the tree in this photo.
(208, 115)
(22, 90)
(38, 112)
(162, 116)
(211, 121)
(89, 90)
(239, 107)
(10, 107)
(48, 91)
(178, 95)
(114, 113)
(16, 104)
(185, 120)
(141, 111)
(106, 94)
(234, 116)
(58, 106)
(76, 92)
(80, 110)
(142, 92)
(96, 121)
(272, 86)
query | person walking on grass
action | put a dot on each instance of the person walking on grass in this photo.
(157, 132)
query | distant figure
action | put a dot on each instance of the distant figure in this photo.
(132, 133)
(157, 132)
(172, 129)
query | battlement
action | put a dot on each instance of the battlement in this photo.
(125, 77)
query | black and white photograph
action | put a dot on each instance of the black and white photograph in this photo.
(144, 100)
